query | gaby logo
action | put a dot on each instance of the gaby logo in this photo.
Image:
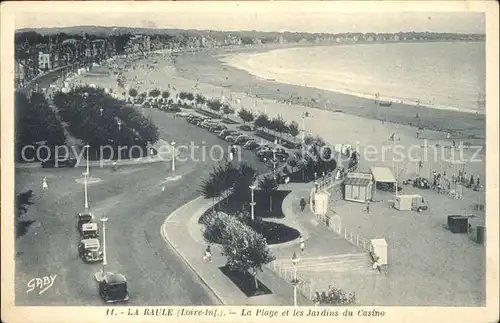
(41, 284)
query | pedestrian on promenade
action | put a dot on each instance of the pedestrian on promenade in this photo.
(418, 133)
(367, 207)
(302, 243)
(471, 182)
(302, 204)
(448, 136)
(208, 254)
(115, 167)
(45, 186)
(287, 179)
(420, 165)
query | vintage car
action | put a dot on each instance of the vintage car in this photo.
(90, 250)
(113, 288)
(83, 218)
(89, 230)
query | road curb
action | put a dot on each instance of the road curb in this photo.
(164, 234)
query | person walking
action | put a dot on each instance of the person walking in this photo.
(367, 209)
(418, 133)
(208, 254)
(302, 204)
(45, 186)
(302, 243)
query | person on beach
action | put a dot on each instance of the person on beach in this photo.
(448, 136)
(392, 136)
(418, 133)
(420, 165)
(367, 208)
(471, 182)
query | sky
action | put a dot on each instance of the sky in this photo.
(276, 16)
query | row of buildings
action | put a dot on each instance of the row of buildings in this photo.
(35, 59)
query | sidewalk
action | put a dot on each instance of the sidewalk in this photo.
(182, 231)
(109, 163)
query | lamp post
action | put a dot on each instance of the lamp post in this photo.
(173, 155)
(295, 281)
(101, 110)
(119, 125)
(99, 276)
(87, 173)
(304, 116)
(252, 203)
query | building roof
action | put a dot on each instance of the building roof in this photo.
(382, 174)
(357, 181)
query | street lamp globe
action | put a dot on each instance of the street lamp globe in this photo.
(172, 143)
(253, 187)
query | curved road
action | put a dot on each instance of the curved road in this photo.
(136, 207)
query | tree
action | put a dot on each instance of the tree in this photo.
(246, 177)
(245, 249)
(293, 129)
(220, 181)
(246, 115)
(269, 185)
(200, 99)
(334, 296)
(132, 92)
(23, 201)
(262, 121)
(278, 124)
(214, 105)
(226, 109)
(165, 95)
(154, 93)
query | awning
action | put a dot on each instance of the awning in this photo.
(382, 174)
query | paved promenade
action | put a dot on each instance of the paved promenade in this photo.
(182, 231)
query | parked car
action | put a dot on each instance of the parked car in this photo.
(269, 155)
(83, 218)
(262, 148)
(113, 288)
(240, 140)
(218, 127)
(224, 133)
(89, 230)
(194, 120)
(182, 114)
(53, 163)
(232, 137)
(207, 124)
(90, 250)
(251, 145)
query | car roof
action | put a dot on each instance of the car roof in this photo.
(89, 226)
(86, 214)
(112, 278)
(91, 243)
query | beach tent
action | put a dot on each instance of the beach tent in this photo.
(381, 175)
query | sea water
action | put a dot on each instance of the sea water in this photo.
(443, 75)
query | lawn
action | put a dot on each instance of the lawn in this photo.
(245, 282)
(274, 232)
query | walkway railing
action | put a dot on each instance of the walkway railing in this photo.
(304, 286)
(348, 235)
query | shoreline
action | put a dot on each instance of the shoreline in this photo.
(208, 67)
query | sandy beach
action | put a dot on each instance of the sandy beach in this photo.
(345, 120)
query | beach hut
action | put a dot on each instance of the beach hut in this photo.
(379, 248)
(358, 187)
